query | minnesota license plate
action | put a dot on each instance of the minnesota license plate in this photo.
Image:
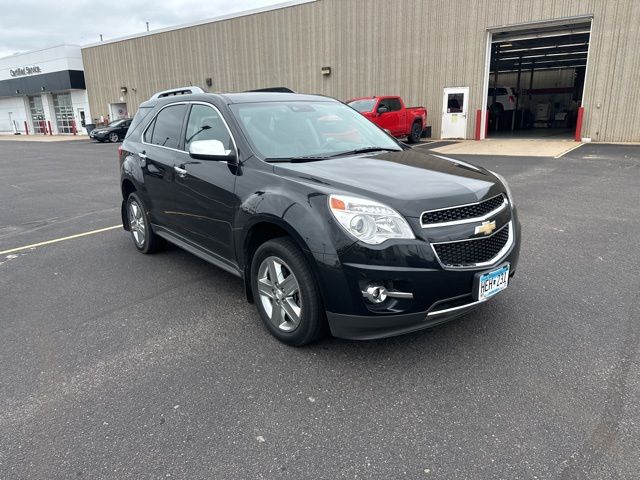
(493, 282)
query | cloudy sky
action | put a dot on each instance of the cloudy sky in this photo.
(29, 24)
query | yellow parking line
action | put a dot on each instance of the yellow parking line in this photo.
(56, 240)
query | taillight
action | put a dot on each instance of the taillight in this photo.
(512, 99)
(120, 153)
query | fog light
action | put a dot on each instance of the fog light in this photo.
(379, 293)
(375, 293)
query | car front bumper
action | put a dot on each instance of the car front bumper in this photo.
(99, 136)
(438, 295)
(356, 327)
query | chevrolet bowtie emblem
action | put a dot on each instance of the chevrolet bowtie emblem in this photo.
(487, 228)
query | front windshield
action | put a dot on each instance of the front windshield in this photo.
(116, 123)
(317, 129)
(363, 105)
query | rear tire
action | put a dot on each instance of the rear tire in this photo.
(140, 227)
(416, 133)
(286, 294)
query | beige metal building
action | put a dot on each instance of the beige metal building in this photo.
(557, 55)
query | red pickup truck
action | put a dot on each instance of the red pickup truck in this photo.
(391, 114)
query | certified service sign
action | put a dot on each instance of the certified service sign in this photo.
(21, 71)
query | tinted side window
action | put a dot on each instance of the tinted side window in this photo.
(393, 104)
(205, 124)
(168, 125)
(138, 118)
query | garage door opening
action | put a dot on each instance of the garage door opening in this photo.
(536, 80)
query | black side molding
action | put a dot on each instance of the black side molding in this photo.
(197, 251)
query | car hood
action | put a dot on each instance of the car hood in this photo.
(410, 181)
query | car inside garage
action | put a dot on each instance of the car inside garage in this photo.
(536, 78)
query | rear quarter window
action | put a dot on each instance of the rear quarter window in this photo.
(141, 114)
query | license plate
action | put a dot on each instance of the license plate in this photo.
(493, 282)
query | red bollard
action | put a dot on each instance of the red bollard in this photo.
(478, 122)
(26, 128)
(73, 127)
(578, 136)
(50, 129)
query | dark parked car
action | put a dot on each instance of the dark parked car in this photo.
(331, 223)
(113, 132)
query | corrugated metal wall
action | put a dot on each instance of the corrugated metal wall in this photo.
(414, 48)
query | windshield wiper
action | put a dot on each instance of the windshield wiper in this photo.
(295, 159)
(311, 158)
(365, 150)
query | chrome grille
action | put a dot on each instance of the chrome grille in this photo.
(470, 253)
(463, 212)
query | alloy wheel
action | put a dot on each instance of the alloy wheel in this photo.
(136, 222)
(279, 294)
(113, 137)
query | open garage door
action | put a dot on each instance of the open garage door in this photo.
(536, 78)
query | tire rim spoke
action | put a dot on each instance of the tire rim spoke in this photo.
(265, 288)
(289, 286)
(292, 310)
(277, 315)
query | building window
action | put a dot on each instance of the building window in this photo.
(37, 115)
(64, 112)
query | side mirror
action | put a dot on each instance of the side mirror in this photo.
(210, 150)
(382, 109)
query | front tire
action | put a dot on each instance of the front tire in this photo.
(114, 137)
(416, 132)
(286, 293)
(140, 227)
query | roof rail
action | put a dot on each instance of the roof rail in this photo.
(272, 89)
(176, 91)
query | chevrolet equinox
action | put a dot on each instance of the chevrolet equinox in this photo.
(332, 224)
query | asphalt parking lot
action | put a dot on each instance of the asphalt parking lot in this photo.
(118, 365)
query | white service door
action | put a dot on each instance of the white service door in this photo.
(455, 105)
(118, 111)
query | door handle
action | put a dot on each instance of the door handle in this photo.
(180, 171)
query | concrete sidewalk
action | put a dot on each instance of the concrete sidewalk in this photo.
(42, 138)
(511, 147)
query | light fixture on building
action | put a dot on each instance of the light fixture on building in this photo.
(326, 71)
(17, 92)
(43, 88)
(123, 90)
(209, 82)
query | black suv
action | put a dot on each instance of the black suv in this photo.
(331, 223)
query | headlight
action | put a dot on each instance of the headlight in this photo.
(369, 221)
(506, 186)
